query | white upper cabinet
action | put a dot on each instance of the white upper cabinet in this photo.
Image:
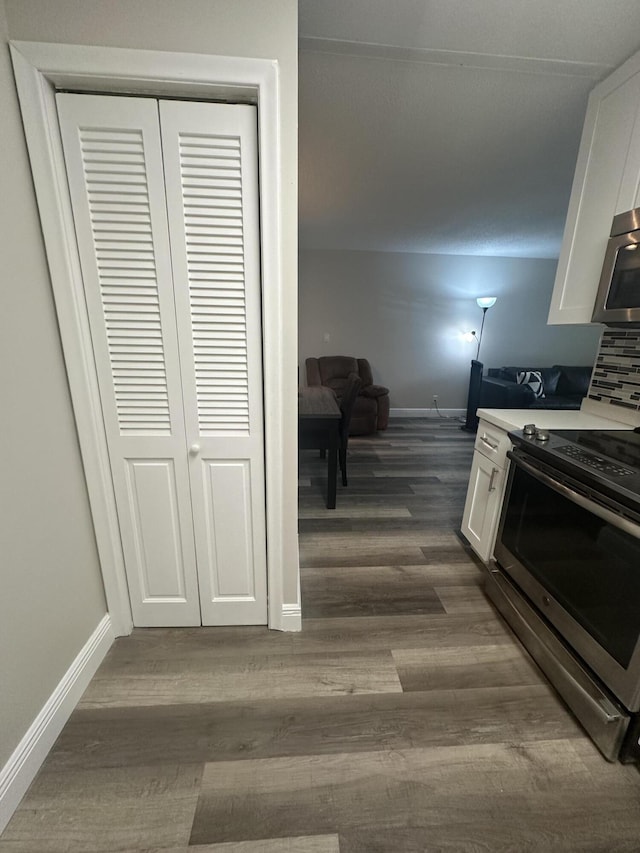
(606, 182)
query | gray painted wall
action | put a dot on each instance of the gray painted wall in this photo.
(51, 587)
(51, 598)
(406, 314)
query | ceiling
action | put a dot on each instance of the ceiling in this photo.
(448, 126)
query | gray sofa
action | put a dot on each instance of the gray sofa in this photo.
(563, 387)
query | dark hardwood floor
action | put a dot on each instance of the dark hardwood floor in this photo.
(404, 718)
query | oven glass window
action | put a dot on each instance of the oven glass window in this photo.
(590, 567)
(624, 291)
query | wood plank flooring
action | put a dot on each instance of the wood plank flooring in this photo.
(404, 718)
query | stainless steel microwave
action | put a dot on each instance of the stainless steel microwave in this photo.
(618, 299)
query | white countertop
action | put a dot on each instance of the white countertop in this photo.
(509, 419)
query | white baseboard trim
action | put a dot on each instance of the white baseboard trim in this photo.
(20, 770)
(291, 619)
(427, 413)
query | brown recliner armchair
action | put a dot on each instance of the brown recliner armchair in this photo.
(371, 410)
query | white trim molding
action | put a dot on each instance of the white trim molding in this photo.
(21, 768)
(40, 69)
(291, 619)
(443, 414)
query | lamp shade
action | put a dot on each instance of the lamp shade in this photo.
(486, 301)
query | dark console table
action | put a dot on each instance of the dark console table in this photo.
(318, 428)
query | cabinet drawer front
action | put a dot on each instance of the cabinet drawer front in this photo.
(493, 443)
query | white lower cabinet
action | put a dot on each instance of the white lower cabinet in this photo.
(486, 489)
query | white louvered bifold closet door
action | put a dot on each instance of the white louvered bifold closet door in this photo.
(186, 516)
(210, 156)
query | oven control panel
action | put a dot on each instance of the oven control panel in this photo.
(594, 461)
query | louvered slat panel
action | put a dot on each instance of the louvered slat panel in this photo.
(211, 177)
(116, 184)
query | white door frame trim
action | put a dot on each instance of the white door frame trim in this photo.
(39, 69)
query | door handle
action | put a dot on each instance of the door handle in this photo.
(485, 440)
(494, 471)
(194, 449)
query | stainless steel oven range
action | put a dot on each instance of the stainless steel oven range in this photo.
(566, 575)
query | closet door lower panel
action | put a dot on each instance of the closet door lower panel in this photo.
(210, 161)
(114, 167)
(156, 529)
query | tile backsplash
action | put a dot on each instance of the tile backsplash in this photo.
(616, 375)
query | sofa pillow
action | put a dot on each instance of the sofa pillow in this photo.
(532, 378)
(550, 378)
(509, 374)
(550, 375)
(574, 380)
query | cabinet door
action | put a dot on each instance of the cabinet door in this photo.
(605, 183)
(114, 167)
(482, 506)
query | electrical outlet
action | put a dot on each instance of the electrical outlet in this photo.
(435, 398)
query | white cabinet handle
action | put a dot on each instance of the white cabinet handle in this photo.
(194, 449)
(494, 471)
(490, 444)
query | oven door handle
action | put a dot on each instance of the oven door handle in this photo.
(602, 512)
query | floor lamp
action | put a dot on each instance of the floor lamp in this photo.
(475, 376)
